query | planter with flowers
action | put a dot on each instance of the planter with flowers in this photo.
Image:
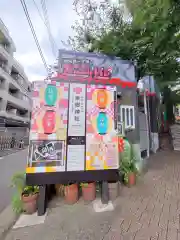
(71, 193)
(88, 191)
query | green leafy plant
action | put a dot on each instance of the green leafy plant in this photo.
(68, 184)
(19, 184)
(18, 181)
(30, 190)
(127, 161)
(84, 184)
(127, 168)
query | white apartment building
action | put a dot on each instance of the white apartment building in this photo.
(15, 89)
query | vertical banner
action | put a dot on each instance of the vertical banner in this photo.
(49, 112)
(101, 142)
(76, 127)
(48, 134)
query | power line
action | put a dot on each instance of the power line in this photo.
(34, 34)
(51, 39)
(47, 24)
(39, 12)
(45, 20)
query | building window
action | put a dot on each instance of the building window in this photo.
(127, 116)
(29, 89)
(25, 98)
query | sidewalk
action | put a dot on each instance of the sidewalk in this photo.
(7, 152)
(148, 211)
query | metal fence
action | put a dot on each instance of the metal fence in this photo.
(13, 139)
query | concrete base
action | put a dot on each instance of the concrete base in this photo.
(99, 207)
(29, 220)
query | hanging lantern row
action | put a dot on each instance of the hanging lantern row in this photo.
(49, 119)
(102, 119)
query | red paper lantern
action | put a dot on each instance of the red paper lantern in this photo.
(102, 98)
(49, 121)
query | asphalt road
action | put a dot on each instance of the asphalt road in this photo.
(9, 165)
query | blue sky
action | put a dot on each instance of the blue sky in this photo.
(61, 17)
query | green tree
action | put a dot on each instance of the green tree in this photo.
(150, 37)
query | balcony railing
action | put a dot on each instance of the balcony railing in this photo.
(19, 68)
(19, 102)
(15, 78)
(5, 47)
(4, 26)
(16, 116)
(3, 66)
(19, 79)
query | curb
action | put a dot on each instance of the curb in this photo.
(7, 220)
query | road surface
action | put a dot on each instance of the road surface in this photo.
(10, 165)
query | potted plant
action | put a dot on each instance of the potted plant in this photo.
(71, 193)
(29, 198)
(88, 191)
(129, 172)
(128, 168)
(25, 197)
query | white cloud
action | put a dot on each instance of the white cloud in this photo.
(61, 17)
(34, 77)
(28, 59)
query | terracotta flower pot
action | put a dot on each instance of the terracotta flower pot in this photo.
(29, 203)
(131, 179)
(71, 193)
(89, 192)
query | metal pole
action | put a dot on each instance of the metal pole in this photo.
(104, 192)
(149, 115)
(147, 122)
